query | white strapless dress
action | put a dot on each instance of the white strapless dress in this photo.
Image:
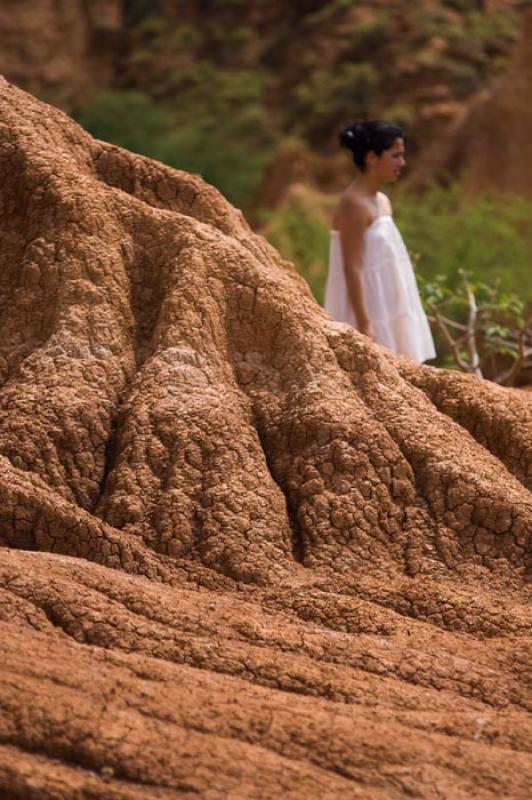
(390, 291)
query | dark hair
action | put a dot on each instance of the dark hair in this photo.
(361, 137)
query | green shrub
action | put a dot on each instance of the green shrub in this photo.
(218, 129)
(489, 237)
(129, 119)
(301, 238)
(479, 329)
(329, 94)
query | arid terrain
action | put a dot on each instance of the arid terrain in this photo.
(245, 552)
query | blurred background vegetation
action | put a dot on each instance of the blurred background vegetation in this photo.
(219, 88)
(216, 87)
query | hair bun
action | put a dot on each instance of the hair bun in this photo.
(354, 136)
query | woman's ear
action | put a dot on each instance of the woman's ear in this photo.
(371, 159)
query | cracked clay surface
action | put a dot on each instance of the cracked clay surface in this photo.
(244, 552)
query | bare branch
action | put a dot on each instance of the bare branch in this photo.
(471, 329)
(452, 343)
(522, 353)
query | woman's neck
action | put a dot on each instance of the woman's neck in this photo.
(368, 185)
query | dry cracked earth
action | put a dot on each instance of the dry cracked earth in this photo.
(245, 553)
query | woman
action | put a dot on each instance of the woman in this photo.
(371, 283)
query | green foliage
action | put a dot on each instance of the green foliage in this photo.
(223, 129)
(490, 29)
(489, 237)
(341, 90)
(328, 10)
(479, 328)
(226, 138)
(491, 301)
(128, 118)
(315, 64)
(301, 238)
(370, 33)
(401, 113)
(152, 27)
(137, 10)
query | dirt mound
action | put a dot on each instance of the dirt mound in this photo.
(231, 525)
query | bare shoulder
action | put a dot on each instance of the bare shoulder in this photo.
(385, 204)
(351, 207)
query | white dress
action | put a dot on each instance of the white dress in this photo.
(390, 291)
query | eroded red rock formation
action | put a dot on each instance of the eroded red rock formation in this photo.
(246, 553)
(60, 50)
(493, 147)
(487, 144)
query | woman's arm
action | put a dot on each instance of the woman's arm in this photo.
(352, 221)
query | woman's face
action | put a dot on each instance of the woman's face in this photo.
(389, 165)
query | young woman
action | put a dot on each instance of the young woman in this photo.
(371, 283)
